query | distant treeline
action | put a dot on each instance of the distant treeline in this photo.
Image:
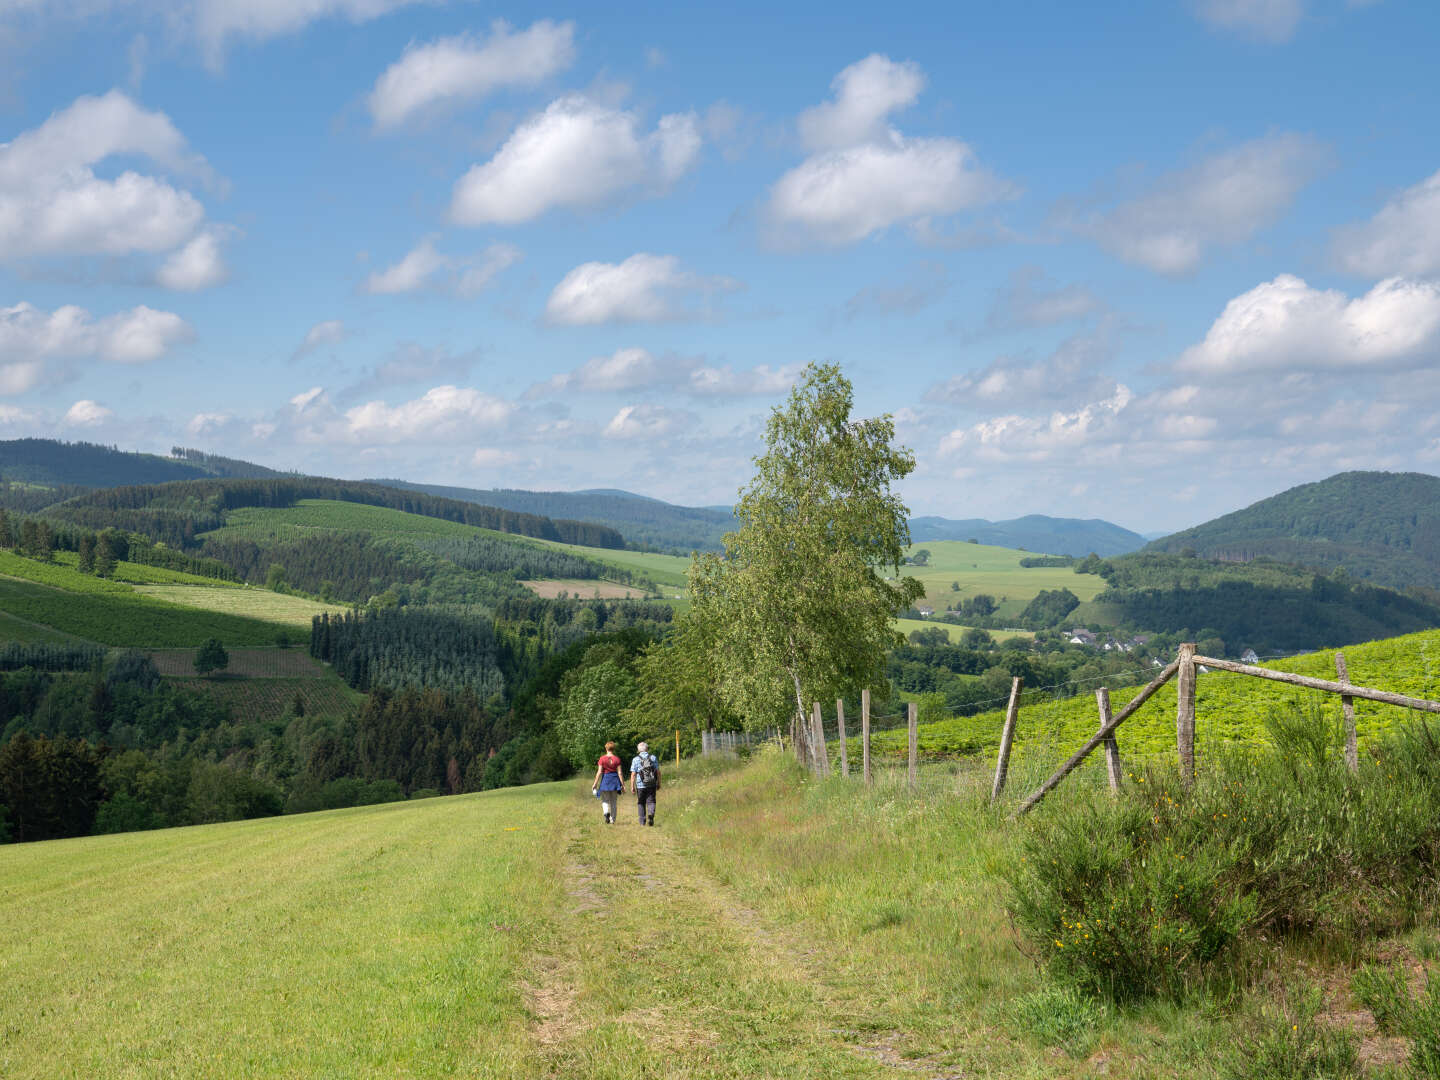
(176, 513)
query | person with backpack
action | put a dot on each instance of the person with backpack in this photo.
(608, 783)
(645, 781)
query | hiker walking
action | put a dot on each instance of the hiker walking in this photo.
(608, 782)
(645, 781)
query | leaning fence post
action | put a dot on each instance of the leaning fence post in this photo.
(1347, 704)
(1007, 736)
(840, 723)
(1185, 712)
(822, 755)
(865, 734)
(914, 740)
(1112, 747)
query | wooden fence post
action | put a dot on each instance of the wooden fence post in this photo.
(914, 742)
(1112, 747)
(1007, 736)
(822, 755)
(844, 750)
(1347, 704)
(1185, 712)
(865, 734)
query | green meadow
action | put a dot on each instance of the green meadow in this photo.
(995, 571)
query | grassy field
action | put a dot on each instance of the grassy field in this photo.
(251, 602)
(583, 588)
(667, 571)
(1229, 708)
(14, 628)
(262, 684)
(40, 596)
(143, 574)
(770, 926)
(906, 626)
(996, 571)
(311, 515)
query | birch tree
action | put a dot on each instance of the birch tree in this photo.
(799, 607)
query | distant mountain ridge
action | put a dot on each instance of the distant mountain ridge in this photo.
(1034, 532)
(645, 522)
(1378, 526)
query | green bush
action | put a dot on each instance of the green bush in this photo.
(1142, 895)
(1283, 1041)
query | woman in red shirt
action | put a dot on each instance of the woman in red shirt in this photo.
(608, 782)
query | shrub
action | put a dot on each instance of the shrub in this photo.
(1142, 895)
(1283, 1041)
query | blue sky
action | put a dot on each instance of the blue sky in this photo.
(1146, 262)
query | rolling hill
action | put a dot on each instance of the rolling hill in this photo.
(1034, 532)
(52, 463)
(1376, 526)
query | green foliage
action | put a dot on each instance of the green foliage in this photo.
(1143, 895)
(678, 684)
(1049, 608)
(1283, 1039)
(1386, 992)
(592, 710)
(799, 609)
(211, 656)
(1059, 1016)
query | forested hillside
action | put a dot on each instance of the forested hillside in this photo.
(1378, 526)
(53, 463)
(648, 524)
(1034, 532)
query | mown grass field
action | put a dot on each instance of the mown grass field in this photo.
(311, 515)
(262, 684)
(57, 597)
(907, 626)
(251, 602)
(770, 926)
(996, 571)
(1229, 709)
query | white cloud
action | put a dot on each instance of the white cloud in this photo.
(468, 68)
(648, 422)
(865, 176)
(1285, 324)
(443, 411)
(1262, 20)
(492, 457)
(30, 337)
(329, 332)
(208, 423)
(727, 382)
(426, 268)
(577, 153)
(1071, 373)
(1223, 200)
(1017, 437)
(197, 265)
(217, 21)
(643, 288)
(624, 369)
(86, 413)
(52, 203)
(1403, 238)
(866, 93)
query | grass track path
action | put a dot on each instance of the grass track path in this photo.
(655, 969)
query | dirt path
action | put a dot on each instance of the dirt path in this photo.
(652, 968)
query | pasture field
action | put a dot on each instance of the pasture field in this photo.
(584, 589)
(250, 602)
(14, 628)
(54, 596)
(996, 571)
(311, 515)
(1229, 709)
(906, 626)
(143, 574)
(667, 571)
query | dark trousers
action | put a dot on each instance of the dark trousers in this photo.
(645, 800)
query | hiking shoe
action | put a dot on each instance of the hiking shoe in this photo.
(650, 820)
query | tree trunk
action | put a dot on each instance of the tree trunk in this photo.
(800, 729)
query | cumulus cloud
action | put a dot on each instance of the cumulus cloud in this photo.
(729, 382)
(423, 267)
(1271, 21)
(578, 153)
(468, 68)
(53, 203)
(1403, 238)
(631, 369)
(440, 412)
(648, 422)
(30, 337)
(1221, 201)
(643, 288)
(1018, 437)
(865, 176)
(86, 413)
(409, 363)
(197, 265)
(1286, 324)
